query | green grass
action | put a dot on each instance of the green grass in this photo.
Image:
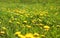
(30, 12)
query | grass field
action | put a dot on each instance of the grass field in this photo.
(30, 20)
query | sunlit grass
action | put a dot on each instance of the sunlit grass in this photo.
(29, 20)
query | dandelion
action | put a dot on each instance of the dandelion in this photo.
(43, 36)
(29, 35)
(4, 28)
(15, 19)
(58, 26)
(19, 34)
(33, 21)
(18, 22)
(46, 27)
(40, 20)
(10, 21)
(41, 24)
(28, 26)
(25, 21)
(41, 14)
(2, 32)
(36, 35)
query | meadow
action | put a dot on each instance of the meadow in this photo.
(30, 20)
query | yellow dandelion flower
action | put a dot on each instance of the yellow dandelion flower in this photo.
(4, 28)
(2, 32)
(42, 35)
(15, 19)
(36, 35)
(18, 22)
(25, 21)
(17, 33)
(46, 27)
(58, 26)
(26, 15)
(29, 35)
(10, 21)
(41, 14)
(31, 16)
(41, 24)
(21, 36)
(28, 26)
(33, 21)
(40, 20)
